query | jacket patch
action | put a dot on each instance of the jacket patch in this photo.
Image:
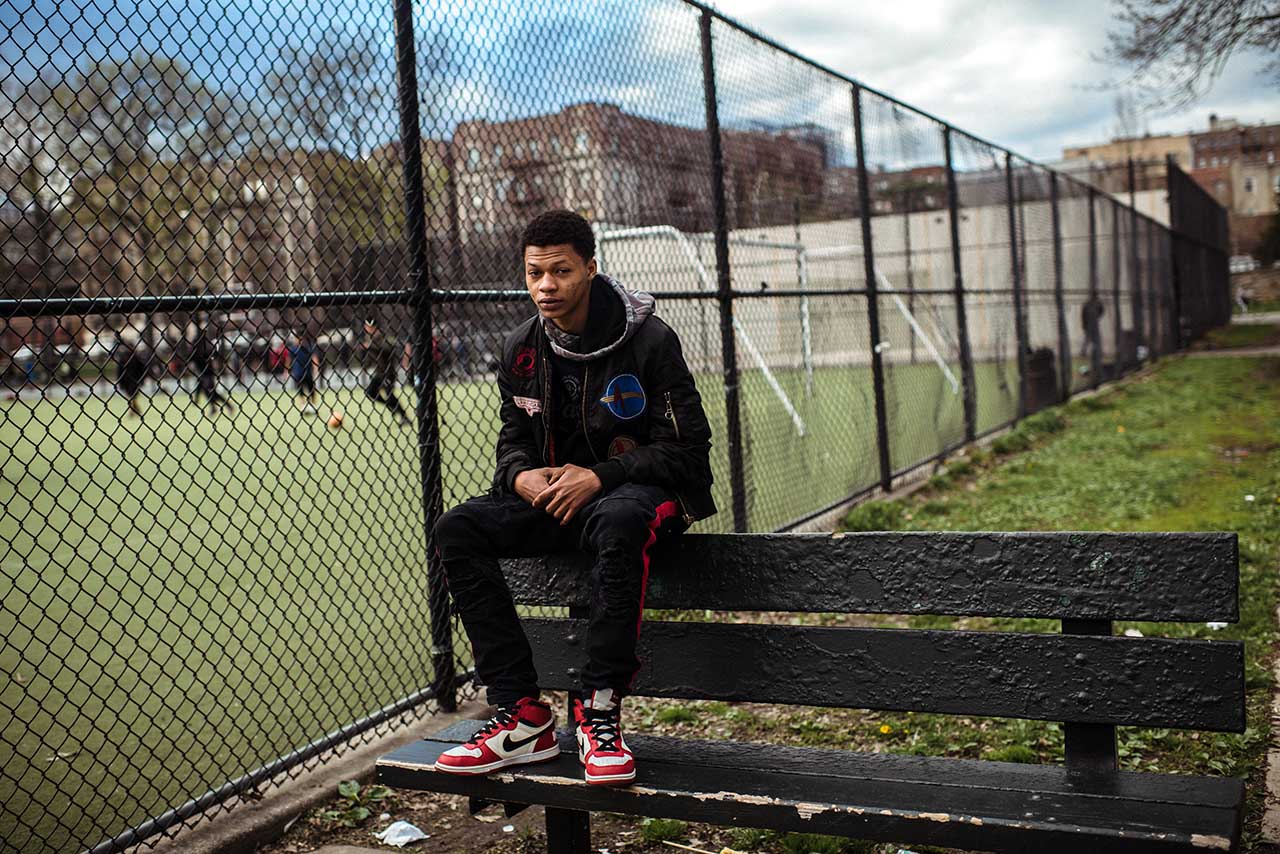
(624, 397)
(530, 405)
(622, 444)
(525, 359)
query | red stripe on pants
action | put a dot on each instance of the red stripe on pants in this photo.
(662, 513)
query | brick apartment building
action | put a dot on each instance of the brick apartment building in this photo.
(618, 168)
(1240, 166)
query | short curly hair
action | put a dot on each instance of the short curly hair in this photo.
(560, 226)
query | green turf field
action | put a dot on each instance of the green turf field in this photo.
(188, 597)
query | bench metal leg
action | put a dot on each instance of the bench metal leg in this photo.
(568, 831)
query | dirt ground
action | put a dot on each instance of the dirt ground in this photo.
(453, 830)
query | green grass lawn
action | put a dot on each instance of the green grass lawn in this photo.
(185, 598)
(1178, 450)
(1257, 306)
(1242, 335)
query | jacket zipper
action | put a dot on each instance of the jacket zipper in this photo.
(546, 405)
(585, 432)
(671, 414)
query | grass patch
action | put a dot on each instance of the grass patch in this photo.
(1240, 335)
(663, 829)
(1176, 449)
(1257, 307)
(1179, 450)
(815, 843)
(677, 715)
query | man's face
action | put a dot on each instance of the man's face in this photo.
(559, 280)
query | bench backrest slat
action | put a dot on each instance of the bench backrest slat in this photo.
(1190, 684)
(1079, 575)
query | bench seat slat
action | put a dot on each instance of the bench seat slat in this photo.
(929, 801)
(1154, 682)
(1082, 575)
(1219, 792)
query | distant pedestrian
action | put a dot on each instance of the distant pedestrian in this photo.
(1090, 316)
(1243, 297)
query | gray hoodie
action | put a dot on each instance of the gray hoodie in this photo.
(637, 306)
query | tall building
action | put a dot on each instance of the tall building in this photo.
(1239, 166)
(619, 168)
(1147, 148)
(1235, 163)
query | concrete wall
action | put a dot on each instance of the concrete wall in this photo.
(833, 260)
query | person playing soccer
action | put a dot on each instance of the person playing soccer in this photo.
(304, 364)
(604, 447)
(384, 354)
(131, 372)
(207, 366)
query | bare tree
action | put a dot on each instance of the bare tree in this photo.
(1176, 49)
(325, 95)
(1128, 121)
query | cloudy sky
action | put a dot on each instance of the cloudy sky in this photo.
(1017, 72)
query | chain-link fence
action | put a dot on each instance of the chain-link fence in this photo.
(257, 264)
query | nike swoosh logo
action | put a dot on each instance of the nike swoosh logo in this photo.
(509, 744)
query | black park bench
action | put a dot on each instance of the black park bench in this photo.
(1084, 677)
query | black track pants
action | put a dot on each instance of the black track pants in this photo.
(617, 530)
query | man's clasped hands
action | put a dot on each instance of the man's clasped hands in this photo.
(561, 491)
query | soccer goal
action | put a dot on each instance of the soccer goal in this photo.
(769, 260)
(929, 341)
(692, 253)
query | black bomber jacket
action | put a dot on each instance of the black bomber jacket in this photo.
(642, 414)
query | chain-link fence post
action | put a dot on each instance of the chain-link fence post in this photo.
(1175, 244)
(1019, 314)
(873, 302)
(1120, 354)
(1093, 326)
(1137, 224)
(724, 292)
(1059, 300)
(424, 368)
(1153, 298)
(962, 325)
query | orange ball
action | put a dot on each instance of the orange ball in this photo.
(335, 419)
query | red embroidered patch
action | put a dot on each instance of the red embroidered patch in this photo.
(621, 444)
(523, 365)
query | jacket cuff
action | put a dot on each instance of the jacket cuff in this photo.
(512, 473)
(611, 474)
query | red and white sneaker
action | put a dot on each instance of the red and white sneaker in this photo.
(601, 749)
(520, 733)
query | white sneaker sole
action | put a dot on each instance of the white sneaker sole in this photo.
(607, 779)
(524, 759)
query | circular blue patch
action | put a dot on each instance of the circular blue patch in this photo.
(624, 397)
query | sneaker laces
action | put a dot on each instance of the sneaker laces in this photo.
(505, 715)
(605, 726)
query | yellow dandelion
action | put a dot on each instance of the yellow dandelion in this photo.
(885, 729)
(1120, 428)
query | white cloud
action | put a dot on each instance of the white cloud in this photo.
(1020, 74)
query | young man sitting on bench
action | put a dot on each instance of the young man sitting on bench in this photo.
(604, 447)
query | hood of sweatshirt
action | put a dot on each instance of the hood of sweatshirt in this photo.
(614, 314)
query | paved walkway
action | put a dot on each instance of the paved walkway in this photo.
(1258, 318)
